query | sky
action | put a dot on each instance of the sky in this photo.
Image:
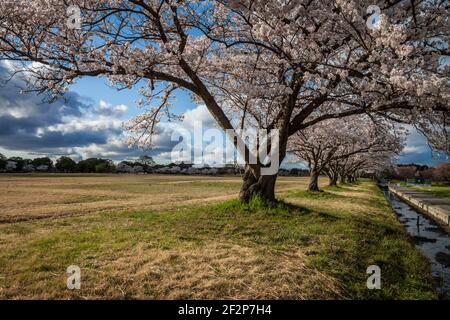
(88, 123)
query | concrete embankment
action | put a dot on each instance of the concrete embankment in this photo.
(437, 208)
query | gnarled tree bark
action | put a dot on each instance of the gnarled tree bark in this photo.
(332, 180)
(313, 179)
(255, 184)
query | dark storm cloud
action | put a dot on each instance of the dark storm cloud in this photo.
(28, 142)
(23, 114)
(72, 125)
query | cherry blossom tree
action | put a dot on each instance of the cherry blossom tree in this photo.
(374, 163)
(442, 172)
(343, 146)
(277, 64)
(378, 156)
(406, 172)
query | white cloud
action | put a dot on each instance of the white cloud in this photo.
(416, 143)
(106, 108)
(414, 149)
(82, 124)
(200, 114)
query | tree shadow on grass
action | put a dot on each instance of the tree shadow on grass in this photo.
(326, 195)
(336, 243)
(280, 207)
(344, 243)
(317, 195)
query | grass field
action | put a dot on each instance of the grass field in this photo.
(437, 190)
(441, 191)
(173, 237)
(26, 197)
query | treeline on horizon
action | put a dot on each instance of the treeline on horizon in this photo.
(440, 173)
(62, 164)
(144, 164)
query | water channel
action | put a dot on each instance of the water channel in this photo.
(429, 238)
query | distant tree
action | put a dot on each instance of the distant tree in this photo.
(146, 161)
(105, 166)
(101, 168)
(388, 172)
(28, 167)
(87, 165)
(90, 165)
(130, 163)
(11, 166)
(427, 173)
(406, 172)
(66, 164)
(3, 163)
(442, 172)
(125, 167)
(335, 147)
(2, 157)
(44, 161)
(20, 163)
(183, 165)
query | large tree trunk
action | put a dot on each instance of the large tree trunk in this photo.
(313, 179)
(332, 180)
(262, 186)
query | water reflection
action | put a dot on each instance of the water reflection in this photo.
(431, 240)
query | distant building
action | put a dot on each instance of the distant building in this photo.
(42, 168)
(11, 166)
(28, 168)
(124, 168)
(138, 169)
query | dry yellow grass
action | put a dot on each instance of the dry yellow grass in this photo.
(172, 237)
(26, 197)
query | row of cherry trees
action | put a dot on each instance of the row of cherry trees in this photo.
(266, 64)
(344, 149)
